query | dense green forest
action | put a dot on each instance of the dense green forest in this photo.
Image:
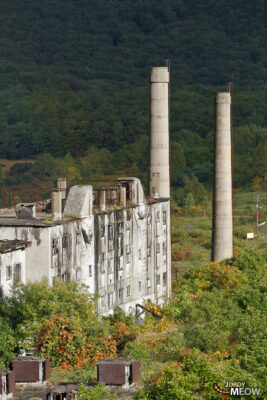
(74, 79)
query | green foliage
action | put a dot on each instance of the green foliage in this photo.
(218, 332)
(97, 392)
(95, 163)
(189, 202)
(7, 342)
(30, 305)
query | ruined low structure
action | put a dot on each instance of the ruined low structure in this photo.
(112, 239)
(120, 371)
(7, 384)
(29, 369)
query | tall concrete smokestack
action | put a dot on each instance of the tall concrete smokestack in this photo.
(159, 132)
(222, 222)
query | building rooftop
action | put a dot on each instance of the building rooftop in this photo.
(6, 246)
(38, 222)
(27, 358)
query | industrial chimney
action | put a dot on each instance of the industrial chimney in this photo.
(222, 221)
(159, 133)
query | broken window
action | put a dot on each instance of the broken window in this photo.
(65, 277)
(78, 274)
(158, 279)
(78, 238)
(164, 278)
(65, 241)
(128, 216)
(102, 267)
(17, 273)
(8, 272)
(110, 300)
(128, 291)
(120, 263)
(55, 246)
(121, 295)
(164, 216)
(110, 232)
(110, 267)
(120, 228)
(120, 241)
(102, 230)
(90, 270)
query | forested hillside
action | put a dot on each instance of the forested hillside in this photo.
(74, 74)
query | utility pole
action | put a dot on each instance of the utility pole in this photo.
(257, 213)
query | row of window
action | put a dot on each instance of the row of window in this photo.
(66, 241)
(120, 226)
(128, 290)
(12, 271)
(110, 266)
(164, 217)
(128, 257)
(111, 230)
(164, 279)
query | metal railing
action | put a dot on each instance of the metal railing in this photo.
(25, 193)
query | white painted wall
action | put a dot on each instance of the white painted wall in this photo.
(10, 260)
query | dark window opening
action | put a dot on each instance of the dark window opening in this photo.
(8, 272)
(120, 228)
(110, 232)
(65, 241)
(17, 273)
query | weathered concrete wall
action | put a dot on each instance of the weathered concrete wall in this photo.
(37, 256)
(79, 201)
(123, 255)
(72, 251)
(159, 133)
(10, 264)
(64, 251)
(132, 256)
(222, 230)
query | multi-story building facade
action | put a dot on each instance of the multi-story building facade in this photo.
(113, 240)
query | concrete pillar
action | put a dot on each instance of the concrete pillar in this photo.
(122, 196)
(102, 200)
(159, 132)
(222, 221)
(56, 205)
(62, 186)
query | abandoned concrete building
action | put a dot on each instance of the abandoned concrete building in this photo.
(112, 239)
